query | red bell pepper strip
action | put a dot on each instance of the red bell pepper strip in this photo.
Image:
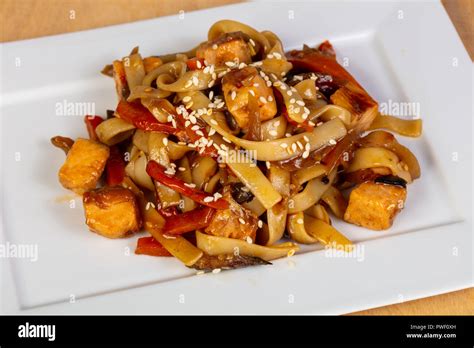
(189, 221)
(91, 123)
(150, 246)
(320, 62)
(326, 48)
(193, 64)
(115, 168)
(157, 172)
(141, 118)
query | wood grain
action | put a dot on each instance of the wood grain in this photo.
(25, 19)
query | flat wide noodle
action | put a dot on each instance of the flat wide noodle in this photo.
(228, 26)
(113, 131)
(409, 128)
(213, 245)
(277, 150)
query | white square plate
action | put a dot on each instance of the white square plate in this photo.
(406, 52)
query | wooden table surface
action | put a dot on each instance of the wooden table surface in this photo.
(24, 19)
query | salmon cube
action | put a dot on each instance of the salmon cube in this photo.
(84, 165)
(230, 47)
(375, 205)
(233, 222)
(237, 85)
(112, 212)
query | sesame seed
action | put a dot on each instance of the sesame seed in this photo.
(277, 55)
(206, 70)
(311, 123)
(270, 98)
(208, 199)
(299, 145)
(305, 154)
(298, 77)
(212, 132)
(217, 195)
(269, 83)
(242, 65)
(165, 141)
(188, 84)
(300, 103)
(263, 100)
(182, 169)
(233, 95)
(170, 171)
(293, 147)
(296, 110)
(187, 99)
(249, 240)
(307, 147)
(300, 221)
(211, 95)
(252, 92)
(292, 100)
(214, 47)
(216, 270)
(260, 223)
(284, 145)
(290, 93)
(277, 123)
(230, 64)
(200, 272)
(198, 64)
(270, 56)
(252, 42)
(287, 135)
(242, 221)
(195, 81)
(191, 185)
(211, 84)
(332, 142)
(268, 164)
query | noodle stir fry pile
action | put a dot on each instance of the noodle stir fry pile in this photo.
(235, 152)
